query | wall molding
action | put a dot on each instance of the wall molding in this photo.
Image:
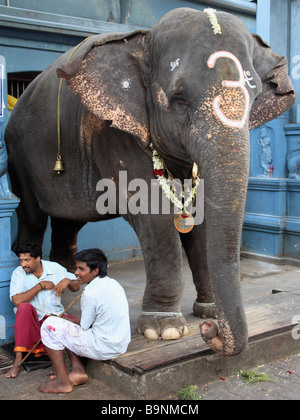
(65, 25)
(272, 224)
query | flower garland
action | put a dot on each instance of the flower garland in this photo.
(159, 172)
(211, 13)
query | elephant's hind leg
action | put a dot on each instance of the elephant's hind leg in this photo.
(32, 221)
(64, 241)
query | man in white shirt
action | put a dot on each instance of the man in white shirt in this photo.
(102, 332)
(35, 290)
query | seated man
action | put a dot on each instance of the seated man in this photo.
(102, 332)
(35, 290)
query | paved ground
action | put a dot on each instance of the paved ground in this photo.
(257, 281)
(284, 384)
(24, 387)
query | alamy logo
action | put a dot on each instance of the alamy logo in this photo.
(296, 67)
(137, 197)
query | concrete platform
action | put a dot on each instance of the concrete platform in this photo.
(156, 369)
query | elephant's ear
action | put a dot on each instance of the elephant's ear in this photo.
(277, 91)
(106, 75)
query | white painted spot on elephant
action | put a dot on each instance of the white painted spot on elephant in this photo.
(126, 84)
(174, 64)
(248, 79)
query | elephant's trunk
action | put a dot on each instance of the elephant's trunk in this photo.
(224, 166)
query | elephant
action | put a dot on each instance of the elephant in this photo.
(191, 87)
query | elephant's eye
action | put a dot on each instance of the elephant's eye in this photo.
(181, 101)
(179, 104)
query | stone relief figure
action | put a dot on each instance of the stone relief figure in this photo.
(5, 193)
(265, 152)
(293, 163)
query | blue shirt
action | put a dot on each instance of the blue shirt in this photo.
(45, 302)
(105, 317)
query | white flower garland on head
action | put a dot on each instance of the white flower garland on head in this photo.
(211, 13)
(159, 170)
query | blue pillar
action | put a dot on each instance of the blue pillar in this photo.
(263, 21)
(272, 218)
(8, 204)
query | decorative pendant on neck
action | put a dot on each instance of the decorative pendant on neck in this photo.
(165, 179)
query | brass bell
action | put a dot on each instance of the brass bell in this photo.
(58, 167)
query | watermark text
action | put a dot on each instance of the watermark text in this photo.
(138, 197)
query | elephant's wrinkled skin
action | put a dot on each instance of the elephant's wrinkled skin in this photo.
(178, 94)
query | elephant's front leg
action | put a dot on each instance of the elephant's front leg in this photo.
(160, 242)
(194, 244)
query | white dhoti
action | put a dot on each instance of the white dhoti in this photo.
(58, 334)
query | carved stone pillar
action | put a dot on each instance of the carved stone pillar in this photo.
(8, 204)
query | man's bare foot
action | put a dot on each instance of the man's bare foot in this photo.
(55, 387)
(14, 371)
(78, 378)
(75, 378)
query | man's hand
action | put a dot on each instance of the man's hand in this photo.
(47, 285)
(60, 288)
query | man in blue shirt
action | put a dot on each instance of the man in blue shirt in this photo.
(35, 290)
(102, 332)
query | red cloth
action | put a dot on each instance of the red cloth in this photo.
(27, 329)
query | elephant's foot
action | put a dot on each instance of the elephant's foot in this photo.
(204, 310)
(164, 325)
